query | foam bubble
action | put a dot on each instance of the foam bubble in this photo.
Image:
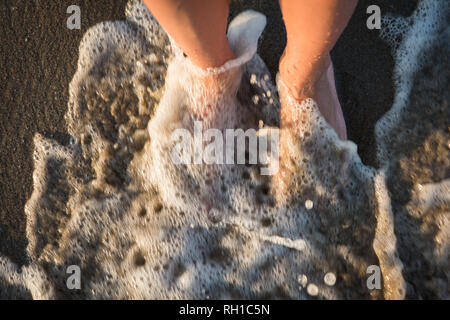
(330, 279)
(312, 290)
(309, 204)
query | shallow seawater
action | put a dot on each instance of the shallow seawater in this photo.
(113, 203)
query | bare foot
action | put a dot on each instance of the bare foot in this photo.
(294, 117)
(212, 90)
(327, 99)
(317, 83)
(207, 95)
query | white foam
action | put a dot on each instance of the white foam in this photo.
(141, 227)
(409, 38)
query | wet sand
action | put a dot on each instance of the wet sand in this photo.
(38, 56)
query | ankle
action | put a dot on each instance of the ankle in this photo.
(209, 59)
(302, 77)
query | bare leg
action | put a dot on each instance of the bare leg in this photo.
(313, 28)
(197, 26)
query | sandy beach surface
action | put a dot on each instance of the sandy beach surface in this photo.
(38, 60)
(95, 136)
(38, 56)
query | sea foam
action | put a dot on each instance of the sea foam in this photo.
(140, 227)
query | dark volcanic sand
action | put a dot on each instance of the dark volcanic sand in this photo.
(38, 56)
